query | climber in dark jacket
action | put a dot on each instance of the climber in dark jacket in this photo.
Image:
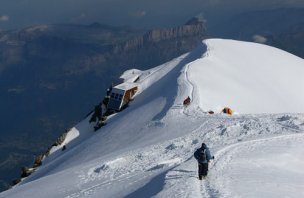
(98, 111)
(203, 156)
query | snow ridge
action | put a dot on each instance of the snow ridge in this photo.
(147, 149)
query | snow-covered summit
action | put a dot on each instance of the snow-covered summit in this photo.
(249, 78)
(146, 150)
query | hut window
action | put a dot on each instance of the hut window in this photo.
(112, 95)
(120, 97)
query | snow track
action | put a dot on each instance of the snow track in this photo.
(174, 160)
(228, 172)
(187, 184)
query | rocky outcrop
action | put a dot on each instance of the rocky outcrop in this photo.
(193, 28)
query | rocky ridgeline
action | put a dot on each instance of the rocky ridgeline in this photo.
(27, 171)
(85, 49)
(196, 28)
(193, 28)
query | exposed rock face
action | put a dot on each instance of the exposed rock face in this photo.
(84, 48)
(160, 44)
(173, 33)
(50, 75)
(193, 28)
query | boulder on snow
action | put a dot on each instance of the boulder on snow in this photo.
(25, 171)
(210, 112)
(38, 160)
(187, 101)
(61, 139)
(16, 181)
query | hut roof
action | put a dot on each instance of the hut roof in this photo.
(126, 86)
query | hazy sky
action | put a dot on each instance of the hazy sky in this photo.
(141, 13)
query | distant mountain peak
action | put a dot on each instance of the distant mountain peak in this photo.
(195, 21)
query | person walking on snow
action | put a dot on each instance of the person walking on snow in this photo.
(203, 156)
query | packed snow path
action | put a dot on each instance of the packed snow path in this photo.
(168, 168)
(270, 167)
(147, 149)
(246, 167)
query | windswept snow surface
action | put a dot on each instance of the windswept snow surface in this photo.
(249, 78)
(147, 149)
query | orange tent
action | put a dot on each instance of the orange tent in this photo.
(227, 110)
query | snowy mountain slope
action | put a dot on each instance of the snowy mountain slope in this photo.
(146, 150)
(249, 78)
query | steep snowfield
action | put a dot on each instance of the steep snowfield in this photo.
(147, 149)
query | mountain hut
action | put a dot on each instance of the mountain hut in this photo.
(121, 95)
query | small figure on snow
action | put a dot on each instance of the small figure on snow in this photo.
(109, 90)
(210, 112)
(97, 113)
(187, 101)
(203, 156)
